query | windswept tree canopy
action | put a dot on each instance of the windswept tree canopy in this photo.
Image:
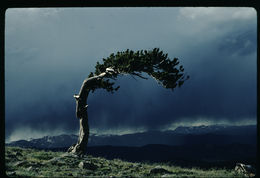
(154, 62)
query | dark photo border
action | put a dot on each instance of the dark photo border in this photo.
(5, 4)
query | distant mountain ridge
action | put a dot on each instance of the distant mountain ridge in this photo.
(216, 129)
(47, 142)
(214, 134)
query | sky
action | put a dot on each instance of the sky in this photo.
(50, 51)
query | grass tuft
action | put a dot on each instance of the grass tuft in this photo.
(23, 162)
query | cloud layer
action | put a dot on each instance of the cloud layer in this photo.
(50, 51)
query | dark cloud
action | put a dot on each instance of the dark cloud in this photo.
(242, 43)
(49, 54)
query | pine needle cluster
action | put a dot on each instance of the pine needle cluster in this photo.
(154, 62)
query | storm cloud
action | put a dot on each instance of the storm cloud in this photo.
(50, 51)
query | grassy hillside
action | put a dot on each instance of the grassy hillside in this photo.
(35, 163)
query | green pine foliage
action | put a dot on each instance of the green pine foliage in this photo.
(155, 63)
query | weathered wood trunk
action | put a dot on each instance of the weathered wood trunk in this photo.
(82, 115)
(80, 146)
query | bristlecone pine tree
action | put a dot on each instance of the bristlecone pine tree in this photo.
(165, 71)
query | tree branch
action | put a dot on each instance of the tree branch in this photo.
(139, 75)
(158, 81)
(133, 77)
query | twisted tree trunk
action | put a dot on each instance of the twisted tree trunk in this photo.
(82, 115)
(156, 64)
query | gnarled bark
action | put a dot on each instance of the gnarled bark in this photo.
(81, 113)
